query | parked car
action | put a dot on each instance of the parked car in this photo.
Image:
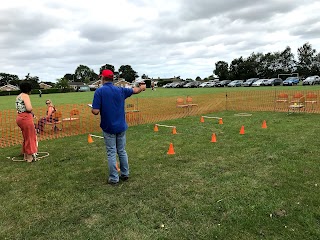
(259, 82)
(223, 83)
(181, 84)
(211, 84)
(193, 84)
(273, 82)
(290, 81)
(167, 85)
(204, 84)
(235, 83)
(175, 85)
(215, 80)
(249, 82)
(312, 80)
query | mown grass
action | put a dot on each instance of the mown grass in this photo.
(261, 185)
(8, 102)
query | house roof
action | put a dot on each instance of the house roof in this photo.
(47, 85)
(122, 81)
(94, 82)
(77, 83)
(9, 86)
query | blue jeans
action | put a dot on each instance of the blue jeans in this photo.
(116, 143)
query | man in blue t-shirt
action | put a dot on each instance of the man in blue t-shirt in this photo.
(109, 101)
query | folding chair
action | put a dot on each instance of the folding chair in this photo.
(56, 121)
(190, 103)
(311, 98)
(296, 97)
(282, 98)
(73, 117)
(180, 103)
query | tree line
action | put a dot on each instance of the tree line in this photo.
(271, 64)
(82, 74)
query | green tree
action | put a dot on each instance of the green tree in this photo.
(144, 76)
(106, 66)
(306, 57)
(69, 76)
(286, 61)
(126, 72)
(62, 83)
(222, 70)
(198, 78)
(34, 81)
(84, 74)
(253, 65)
(267, 65)
(315, 68)
(6, 78)
(237, 69)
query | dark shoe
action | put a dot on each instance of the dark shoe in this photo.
(124, 178)
(113, 183)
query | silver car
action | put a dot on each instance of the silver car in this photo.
(312, 80)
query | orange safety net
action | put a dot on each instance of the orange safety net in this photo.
(76, 119)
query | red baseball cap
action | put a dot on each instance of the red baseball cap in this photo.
(107, 73)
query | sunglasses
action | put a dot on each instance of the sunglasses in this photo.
(47, 102)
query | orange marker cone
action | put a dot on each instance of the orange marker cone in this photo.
(155, 128)
(171, 150)
(201, 119)
(220, 121)
(90, 140)
(264, 124)
(213, 138)
(118, 169)
(242, 130)
(174, 130)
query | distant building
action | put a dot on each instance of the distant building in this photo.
(76, 85)
(123, 83)
(44, 86)
(9, 87)
(95, 84)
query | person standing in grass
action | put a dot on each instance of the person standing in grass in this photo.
(152, 86)
(25, 121)
(109, 101)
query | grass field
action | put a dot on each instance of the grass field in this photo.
(7, 102)
(261, 185)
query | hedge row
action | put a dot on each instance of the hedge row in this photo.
(36, 91)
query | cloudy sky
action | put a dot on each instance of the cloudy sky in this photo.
(159, 38)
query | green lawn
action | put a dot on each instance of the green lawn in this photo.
(7, 102)
(261, 185)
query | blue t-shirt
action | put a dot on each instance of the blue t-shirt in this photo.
(110, 100)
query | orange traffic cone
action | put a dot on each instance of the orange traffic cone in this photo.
(213, 138)
(155, 128)
(171, 150)
(264, 124)
(174, 130)
(242, 130)
(118, 169)
(201, 119)
(90, 140)
(220, 121)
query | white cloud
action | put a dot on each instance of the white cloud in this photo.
(49, 38)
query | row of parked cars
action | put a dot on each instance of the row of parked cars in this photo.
(252, 82)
